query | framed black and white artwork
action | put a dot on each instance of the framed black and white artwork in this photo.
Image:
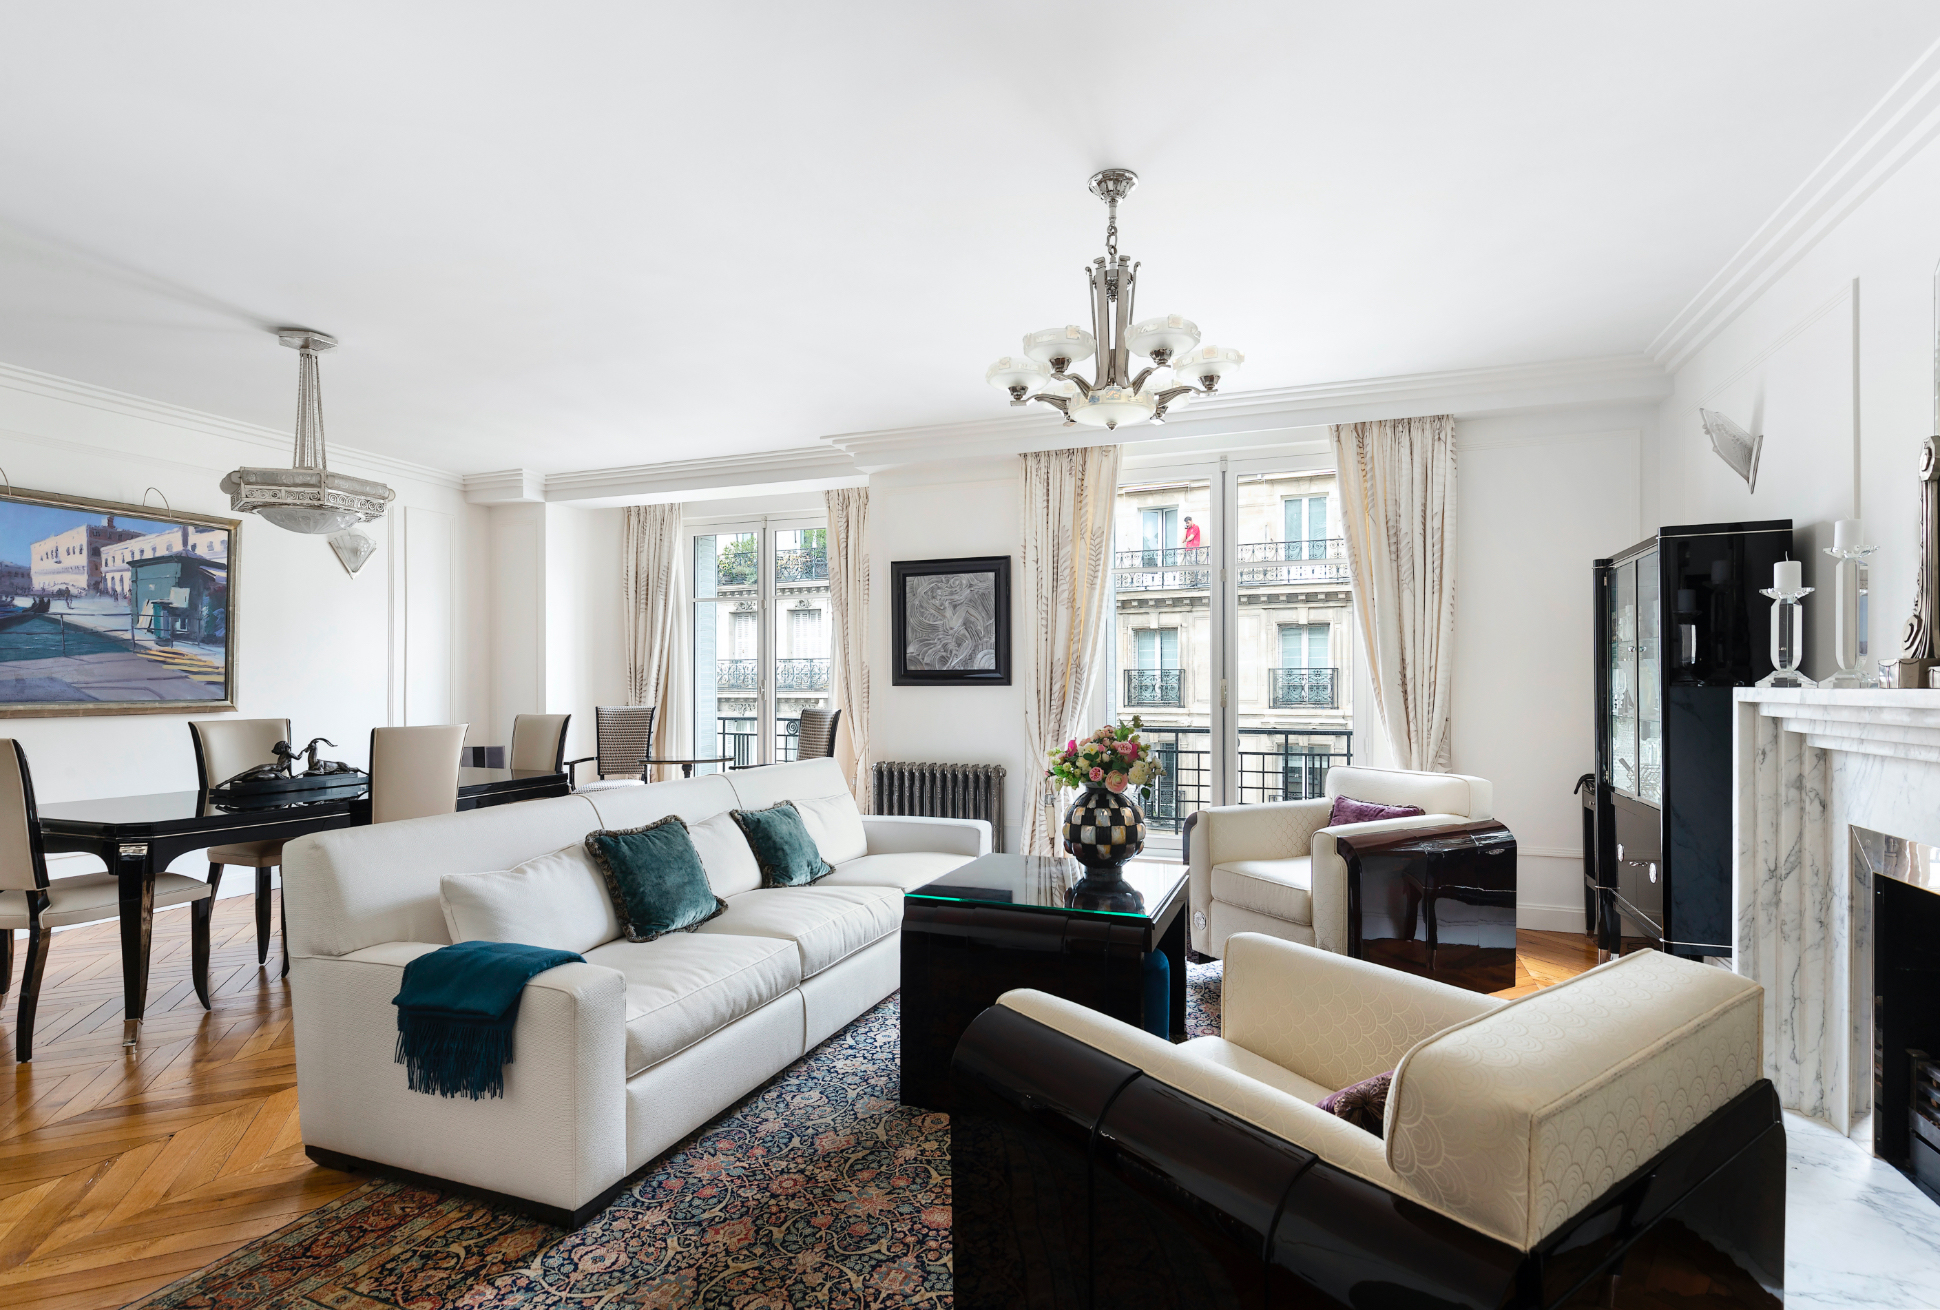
(950, 621)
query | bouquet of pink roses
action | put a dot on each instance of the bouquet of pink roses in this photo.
(1112, 758)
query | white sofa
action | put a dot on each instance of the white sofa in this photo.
(1273, 868)
(616, 1059)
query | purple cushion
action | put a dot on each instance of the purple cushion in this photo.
(1348, 810)
(1365, 1104)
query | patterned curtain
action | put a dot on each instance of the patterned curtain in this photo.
(1066, 577)
(1397, 488)
(849, 607)
(651, 577)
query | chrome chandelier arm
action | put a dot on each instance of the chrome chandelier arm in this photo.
(1138, 383)
(1084, 388)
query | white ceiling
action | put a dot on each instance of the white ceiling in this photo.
(579, 235)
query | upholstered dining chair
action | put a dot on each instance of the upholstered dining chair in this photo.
(30, 900)
(539, 742)
(622, 738)
(816, 739)
(414, 771)
(223, 749)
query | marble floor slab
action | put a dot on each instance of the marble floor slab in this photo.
(1857, 1233)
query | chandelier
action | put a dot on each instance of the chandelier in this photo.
(1115, 395)
(307, 496)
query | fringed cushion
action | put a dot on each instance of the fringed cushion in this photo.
(655, 877)
(782, 847)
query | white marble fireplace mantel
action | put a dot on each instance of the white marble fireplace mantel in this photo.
(1810, 763)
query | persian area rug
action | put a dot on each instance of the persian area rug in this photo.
(818, 1191)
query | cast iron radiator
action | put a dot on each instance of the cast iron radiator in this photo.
(943, 791)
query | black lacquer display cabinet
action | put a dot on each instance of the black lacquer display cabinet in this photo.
(1679, 622)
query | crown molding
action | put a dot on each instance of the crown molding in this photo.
(347, 458)
(1275, 414)
(759, 473)
(505, 487)
(1892, 132)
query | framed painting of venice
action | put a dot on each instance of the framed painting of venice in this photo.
(950, 621)
(114, 609)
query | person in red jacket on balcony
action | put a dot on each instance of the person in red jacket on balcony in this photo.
(1192, 534)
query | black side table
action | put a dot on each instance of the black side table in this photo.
(1007, 921)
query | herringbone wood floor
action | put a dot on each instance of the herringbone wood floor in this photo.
(121, 1170)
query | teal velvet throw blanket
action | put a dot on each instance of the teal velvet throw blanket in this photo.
(456, 1011)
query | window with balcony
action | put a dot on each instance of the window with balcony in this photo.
(761, 628)
(1258, 607)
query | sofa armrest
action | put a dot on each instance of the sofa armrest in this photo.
(1327, 872)
(1331, 1019)
(897, 834)
(558, 1136)
(1518, 1119)
(1278, 830)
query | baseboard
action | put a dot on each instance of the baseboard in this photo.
(1549, 918)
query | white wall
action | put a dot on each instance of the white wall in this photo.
(336, 655)
(1834, 363)
(943, 511)
(1539, 497)
(585, 662)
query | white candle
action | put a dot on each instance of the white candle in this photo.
(1788, 575)
(1845, 534)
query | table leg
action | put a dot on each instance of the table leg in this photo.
(135, 872)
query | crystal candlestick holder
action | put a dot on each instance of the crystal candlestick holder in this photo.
(1788, 638)
(1851, 642)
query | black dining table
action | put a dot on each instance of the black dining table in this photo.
(139, 836)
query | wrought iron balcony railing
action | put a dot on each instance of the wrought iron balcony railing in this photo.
(1169, 557)
(1153, 687)
(1275, 764)
(790, 675)
(1261, 552)
(1164, 579)
(1316, 687)
(810, 564)
(1330, 572)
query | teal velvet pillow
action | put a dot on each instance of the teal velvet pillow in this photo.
(782, 847)
(655, 878)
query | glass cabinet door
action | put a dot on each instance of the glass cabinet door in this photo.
(1621, 713)
(1650, 704)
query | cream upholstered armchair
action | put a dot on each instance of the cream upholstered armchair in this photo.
(1273, 868)
(1524, 1150)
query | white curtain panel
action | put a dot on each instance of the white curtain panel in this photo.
(652, 577)
(1397, 489)
(1066, 579)
(849, 604)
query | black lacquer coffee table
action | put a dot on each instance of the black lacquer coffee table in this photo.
(1007, 921)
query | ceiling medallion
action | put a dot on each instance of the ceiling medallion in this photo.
(1115, 396)
(307, 496)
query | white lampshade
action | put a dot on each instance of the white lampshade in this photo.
(1017, 371)
(1069, 342)
(1202, 362)
(1170, 333)
(1110, 407)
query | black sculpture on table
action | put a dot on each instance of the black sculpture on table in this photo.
(323, 768)
(285, 761)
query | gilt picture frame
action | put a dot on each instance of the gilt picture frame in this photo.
(950, 622)
(112, 608)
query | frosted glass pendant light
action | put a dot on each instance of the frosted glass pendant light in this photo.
(1114, 396)
(307, 497)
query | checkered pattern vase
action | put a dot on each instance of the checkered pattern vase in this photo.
(1102, 829)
